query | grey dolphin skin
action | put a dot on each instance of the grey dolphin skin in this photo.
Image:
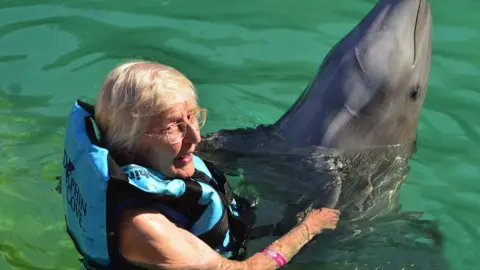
(346, 141)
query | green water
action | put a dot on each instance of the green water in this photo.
(249, 61)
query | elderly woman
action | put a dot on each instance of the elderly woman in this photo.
(136, 196)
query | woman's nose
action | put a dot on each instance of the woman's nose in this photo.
(192, 134)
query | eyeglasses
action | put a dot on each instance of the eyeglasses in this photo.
(176, 132)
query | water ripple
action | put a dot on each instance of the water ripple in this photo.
(249, 62)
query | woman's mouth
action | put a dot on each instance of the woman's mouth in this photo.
(184, 159)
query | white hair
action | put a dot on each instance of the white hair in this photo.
(133, 92)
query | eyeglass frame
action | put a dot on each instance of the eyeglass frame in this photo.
(197, 126)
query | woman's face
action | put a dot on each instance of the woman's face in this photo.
(171, 139)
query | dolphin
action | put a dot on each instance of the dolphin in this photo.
(358, 117)
(347, 140)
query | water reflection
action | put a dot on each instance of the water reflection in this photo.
(30, 147)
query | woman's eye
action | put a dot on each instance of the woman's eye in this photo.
(170, 128)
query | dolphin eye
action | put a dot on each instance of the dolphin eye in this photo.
(414, 92)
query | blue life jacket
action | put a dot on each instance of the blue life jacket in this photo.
(95, 189)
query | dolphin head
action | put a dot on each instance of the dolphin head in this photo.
(371, 86)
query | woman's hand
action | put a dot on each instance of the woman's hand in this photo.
(319, 219)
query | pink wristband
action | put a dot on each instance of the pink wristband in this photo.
(277, 257)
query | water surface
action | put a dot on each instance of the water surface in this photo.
(249, 61)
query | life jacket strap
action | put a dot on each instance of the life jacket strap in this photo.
(240, 227)
(221, 181)
(216, 235)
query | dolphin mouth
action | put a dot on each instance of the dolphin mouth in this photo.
(420, 26)
(415, 31)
